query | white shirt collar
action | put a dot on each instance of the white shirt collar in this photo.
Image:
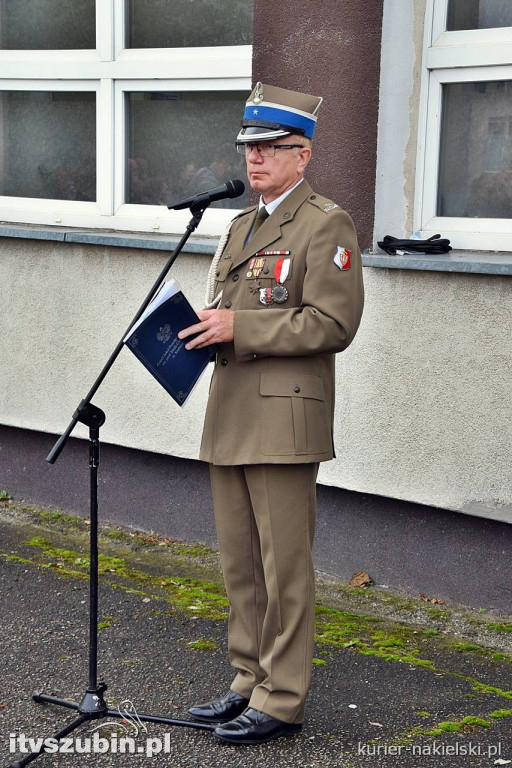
(273, 205)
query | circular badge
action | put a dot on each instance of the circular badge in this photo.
(279, 294)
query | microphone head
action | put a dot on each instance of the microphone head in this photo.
(235, 187)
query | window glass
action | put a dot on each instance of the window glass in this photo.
(47, 145)
(180, 144)
(479, 14)
(189, 23)
(476, 150)
(47, 24)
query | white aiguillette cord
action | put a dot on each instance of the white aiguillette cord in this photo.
(210, 300)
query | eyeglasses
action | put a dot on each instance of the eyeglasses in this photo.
(264, 149)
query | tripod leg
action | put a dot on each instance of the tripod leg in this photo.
(57, 737)
(43, 698)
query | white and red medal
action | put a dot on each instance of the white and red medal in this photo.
(278, 293)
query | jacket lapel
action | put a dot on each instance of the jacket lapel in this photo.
(271, 230)
(239, 236)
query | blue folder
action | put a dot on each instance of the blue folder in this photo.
(153, 339)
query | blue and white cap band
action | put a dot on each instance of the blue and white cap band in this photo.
(282, 116)
(273, 112)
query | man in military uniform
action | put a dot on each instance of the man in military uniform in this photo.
(287, 295)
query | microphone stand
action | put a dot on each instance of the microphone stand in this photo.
(93, 705)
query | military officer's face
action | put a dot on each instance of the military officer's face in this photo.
(272, 176)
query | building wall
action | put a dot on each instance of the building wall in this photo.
(423, 409)
(399, 100)
(423, 412)
(330, 49)
(68, 306)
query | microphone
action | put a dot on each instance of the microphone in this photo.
(232, 188)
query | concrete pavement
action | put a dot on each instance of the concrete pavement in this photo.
(397, 681)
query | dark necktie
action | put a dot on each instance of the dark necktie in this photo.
(260, 218)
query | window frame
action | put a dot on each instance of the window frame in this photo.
(111, 70)
(479, 55)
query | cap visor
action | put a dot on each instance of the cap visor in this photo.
(260, 133)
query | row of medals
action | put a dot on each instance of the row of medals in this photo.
(276, 295)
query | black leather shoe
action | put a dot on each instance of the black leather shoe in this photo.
(220, 710)
(254, 727)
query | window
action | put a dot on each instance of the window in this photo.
(48, 147)
(110, 110)
(464, 183)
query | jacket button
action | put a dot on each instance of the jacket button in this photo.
(235, 278)
(223, 361)
(254, 357)
(217, 274)
(266, 271)
(227, 304)
(296, 389)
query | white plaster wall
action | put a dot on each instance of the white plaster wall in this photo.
(434, 351)
(423, 401)
(65, 309)
(424, 410)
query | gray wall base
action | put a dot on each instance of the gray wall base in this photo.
(407, 547)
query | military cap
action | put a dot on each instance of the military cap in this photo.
(272, 112)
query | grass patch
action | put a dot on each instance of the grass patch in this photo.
(203, 598)
(343, 630)
(499, 713)
(466, 725)
(481, 688)
(116, 535)
(391, 642)
(381, 640)
(18, 559)
(203, 644)
(107, 622)
(500, 627)
(192, 550)
(466, 647)
(437, 613)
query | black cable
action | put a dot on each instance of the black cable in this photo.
(434, 245)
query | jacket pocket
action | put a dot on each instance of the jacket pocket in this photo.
(293, 414)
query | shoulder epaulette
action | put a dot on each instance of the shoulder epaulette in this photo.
(323, 203)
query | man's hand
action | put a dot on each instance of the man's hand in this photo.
(216, 326)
